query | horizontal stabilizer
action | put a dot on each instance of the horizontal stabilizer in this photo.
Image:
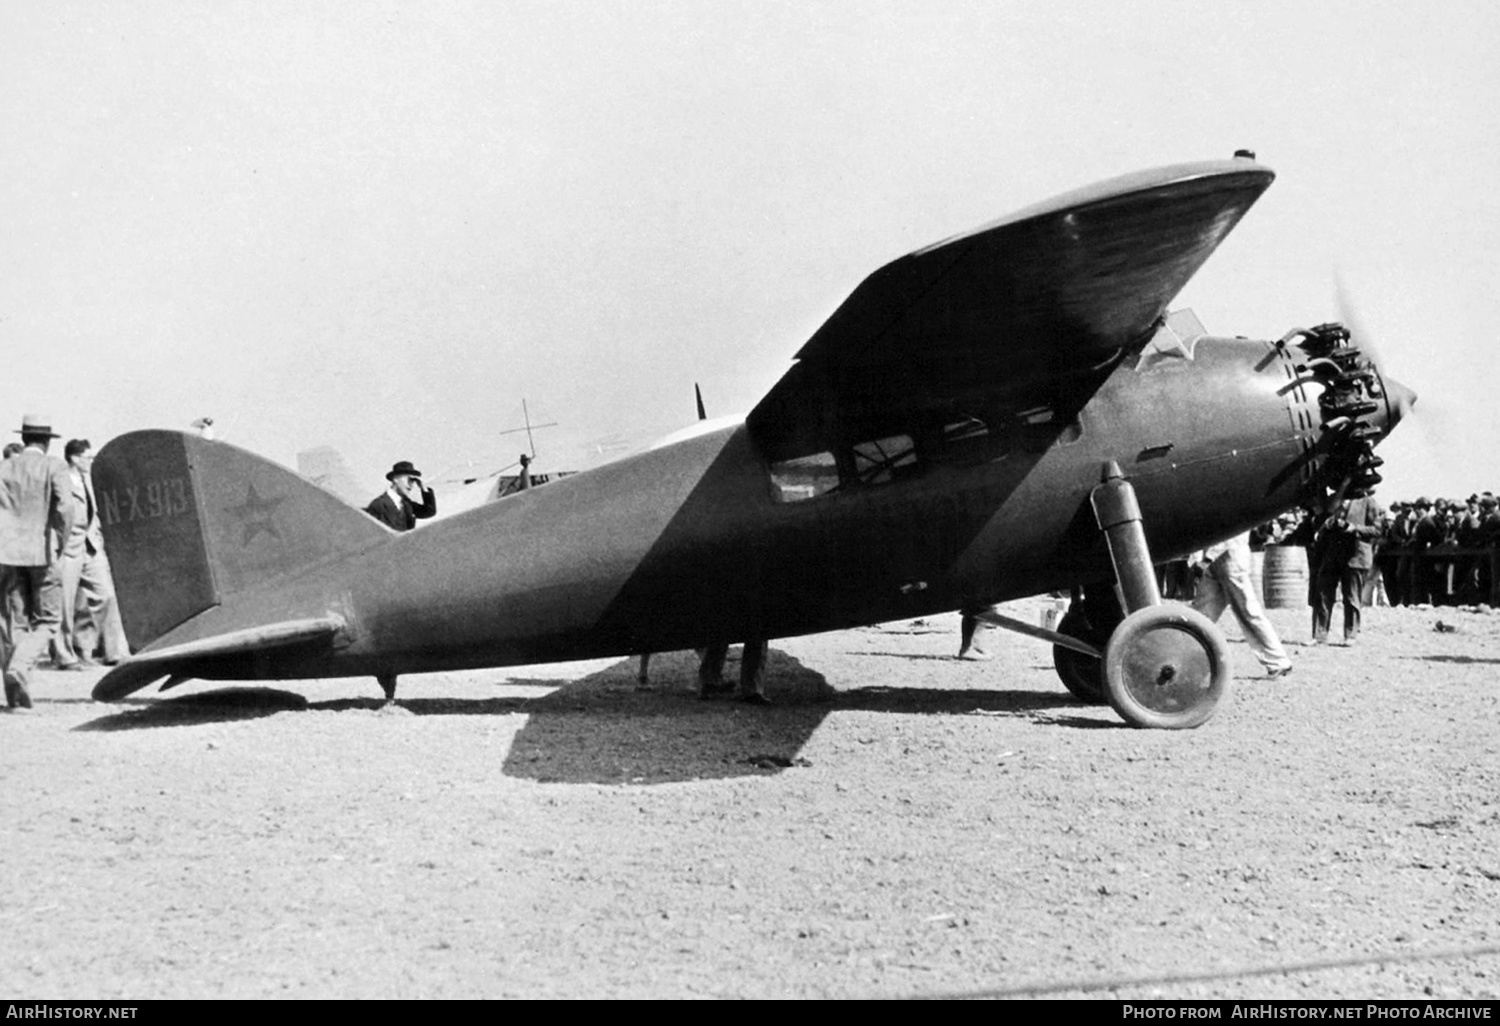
(145, 667)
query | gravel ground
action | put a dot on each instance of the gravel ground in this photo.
(899, 824)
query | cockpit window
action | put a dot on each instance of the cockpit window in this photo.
(1173, 344)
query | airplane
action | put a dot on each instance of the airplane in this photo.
(1007, 412)
(325, 467)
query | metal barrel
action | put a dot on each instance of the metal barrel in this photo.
(1285, 577)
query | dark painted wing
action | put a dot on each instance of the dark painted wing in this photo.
(1027, 299)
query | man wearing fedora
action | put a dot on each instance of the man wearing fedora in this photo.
(406, 501)
(1342, 553)
(36, 517)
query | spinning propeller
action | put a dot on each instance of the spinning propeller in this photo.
(1359, 405)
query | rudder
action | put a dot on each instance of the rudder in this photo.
(189, 523)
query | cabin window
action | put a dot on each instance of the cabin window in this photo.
(805, 477)
(1042, 427)
(884, 459)
(965, 432)
(1033, 429)
(971, 440)
(875, 462)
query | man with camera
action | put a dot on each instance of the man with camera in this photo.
(1342, 553)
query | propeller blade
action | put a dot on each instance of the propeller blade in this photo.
(1359, 331)
(1403, 399)
(1439, 421)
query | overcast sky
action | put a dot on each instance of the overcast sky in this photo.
(380, 226)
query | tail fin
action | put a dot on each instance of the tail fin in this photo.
(190, 523)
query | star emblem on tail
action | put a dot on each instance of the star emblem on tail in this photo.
(255, 515)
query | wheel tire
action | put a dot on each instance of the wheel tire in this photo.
(1082, 675)
(1166, 667)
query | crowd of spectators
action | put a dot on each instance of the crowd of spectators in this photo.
(1431, 551)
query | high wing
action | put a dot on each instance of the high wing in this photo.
(1020, 303)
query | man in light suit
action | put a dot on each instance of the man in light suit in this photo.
(36, 516)
(406, 501)
(88, 611)
(1225, 583)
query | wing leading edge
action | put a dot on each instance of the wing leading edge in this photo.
(1030, 297)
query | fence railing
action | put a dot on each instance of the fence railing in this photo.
(1450, 575)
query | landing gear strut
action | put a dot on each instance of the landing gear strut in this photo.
(1164, 665)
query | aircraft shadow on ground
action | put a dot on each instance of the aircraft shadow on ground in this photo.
(229, 704)
(217, 706)
(610, 728)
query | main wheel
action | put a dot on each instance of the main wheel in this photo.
(1093, 617)
(1082, 675)
(1166, 666)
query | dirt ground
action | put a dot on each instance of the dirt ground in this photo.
(899, 824)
